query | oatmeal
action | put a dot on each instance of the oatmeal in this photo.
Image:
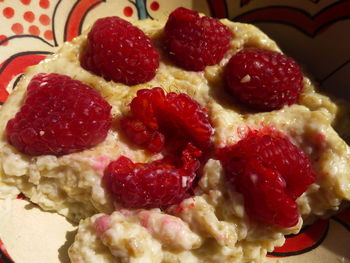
(213, 225)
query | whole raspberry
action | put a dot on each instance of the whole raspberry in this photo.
(263, 79)
(270, 172)
(157, 184)
(158, 118)
(60, 115)
(119, 51)
(195, 42)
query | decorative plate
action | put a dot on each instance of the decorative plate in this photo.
(315, 32)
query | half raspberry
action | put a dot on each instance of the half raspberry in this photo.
(60, 115)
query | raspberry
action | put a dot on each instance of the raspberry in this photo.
(119, 51)
(263, 79)
(264, 193)
(139, 133)
(172, 119)
(195, 42)
(270, 172)
(157, 184)
(159, 119)
(60, 115)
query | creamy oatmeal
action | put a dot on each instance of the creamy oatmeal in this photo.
(212, 225)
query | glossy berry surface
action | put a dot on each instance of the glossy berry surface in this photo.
(263, 80)
(60, 115)
(156, 184)
(173, 119)
(119, 51)
(195, 42)
(270, 172)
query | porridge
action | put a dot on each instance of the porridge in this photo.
(210, 220)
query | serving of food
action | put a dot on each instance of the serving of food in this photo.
(184, 140)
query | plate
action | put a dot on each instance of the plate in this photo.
(31, 30)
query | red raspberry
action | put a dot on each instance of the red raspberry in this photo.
(270, 172)
(195, 42)
(157, 119)
(175, 117)
(60, 115)
(139, 133)
(263, 79)
(119, 51)
(157, 184)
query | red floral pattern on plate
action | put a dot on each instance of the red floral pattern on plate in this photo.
(310, 237)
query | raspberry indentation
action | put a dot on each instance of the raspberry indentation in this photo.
(195, 42)
(60, 115)
(263, 80)
(270, 172)
(172, 119)
(119, 51)
(157, 184)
